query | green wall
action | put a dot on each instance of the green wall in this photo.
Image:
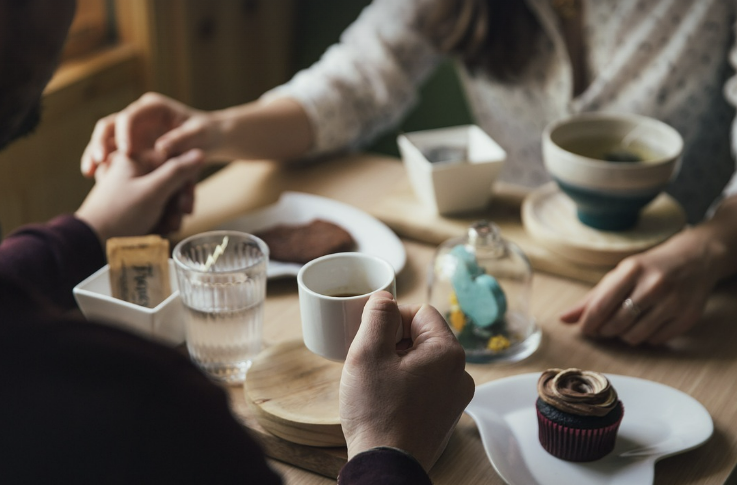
(319, 24)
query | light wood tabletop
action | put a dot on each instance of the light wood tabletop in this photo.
(702, 364)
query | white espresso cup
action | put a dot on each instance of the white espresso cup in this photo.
(333, 290)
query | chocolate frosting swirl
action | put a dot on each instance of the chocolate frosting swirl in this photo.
(574, 391)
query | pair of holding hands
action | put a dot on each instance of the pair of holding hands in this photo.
(151, 130)
(143, 184)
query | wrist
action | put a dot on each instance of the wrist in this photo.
(718, 260)
(230, 131)
(384, 465)
(720, 234)
(220, 127)
(390, 449)
(91, 221)
(359, 445)
(709, 252)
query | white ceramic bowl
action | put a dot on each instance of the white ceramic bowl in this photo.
(609, 195)
(452, 186)
(164, 323)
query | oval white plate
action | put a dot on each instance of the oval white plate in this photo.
(658, 421)
(371, 235)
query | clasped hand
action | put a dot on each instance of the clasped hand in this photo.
(155, 131)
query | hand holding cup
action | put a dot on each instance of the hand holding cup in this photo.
(333, 290)
(408, 395)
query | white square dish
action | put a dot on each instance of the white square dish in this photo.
(461, 184)
(164, 323)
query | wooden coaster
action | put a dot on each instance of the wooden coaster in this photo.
(550, 217)
(293, 394)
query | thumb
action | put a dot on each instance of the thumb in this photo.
(173, 174)
(379, 322)
(573, 315)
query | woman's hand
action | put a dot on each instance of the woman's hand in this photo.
(150, 130)
(128, 200)
(654, 296)
(407, 398)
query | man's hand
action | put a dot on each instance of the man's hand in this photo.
(127, 200)
(407, 395)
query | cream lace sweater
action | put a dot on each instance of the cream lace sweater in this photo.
(670, 59)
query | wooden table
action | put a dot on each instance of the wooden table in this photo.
(702, 364)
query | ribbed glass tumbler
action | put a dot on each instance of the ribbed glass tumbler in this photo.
(222, 283)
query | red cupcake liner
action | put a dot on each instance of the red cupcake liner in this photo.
(572, 444)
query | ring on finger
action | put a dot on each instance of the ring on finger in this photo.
(632, 308)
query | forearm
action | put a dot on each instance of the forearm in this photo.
(719, 235)
(50, 259)
(276, 130)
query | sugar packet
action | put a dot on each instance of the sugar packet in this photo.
(139, 269)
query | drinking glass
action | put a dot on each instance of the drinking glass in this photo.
(222, 283)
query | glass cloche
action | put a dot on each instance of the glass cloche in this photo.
(481, 284)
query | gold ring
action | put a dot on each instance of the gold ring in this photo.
(632, 308)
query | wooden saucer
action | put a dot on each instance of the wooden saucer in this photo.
(549, 216)
(293, 394)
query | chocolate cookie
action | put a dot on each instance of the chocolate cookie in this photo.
(304, 242)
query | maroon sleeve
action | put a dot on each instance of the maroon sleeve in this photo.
(87, 403)
(50, 259)
(384, 465)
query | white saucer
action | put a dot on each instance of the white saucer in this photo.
(659, 421)
(549, 216)
(371, 236)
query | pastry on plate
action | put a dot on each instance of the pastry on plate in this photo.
(578, 414)
(301, 243)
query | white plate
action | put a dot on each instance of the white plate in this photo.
(371, 236)
(658, 421)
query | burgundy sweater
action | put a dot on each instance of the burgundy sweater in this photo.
(86, 403)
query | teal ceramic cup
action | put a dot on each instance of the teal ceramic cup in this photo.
(611, 164)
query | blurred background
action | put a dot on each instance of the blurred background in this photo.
(208, 54)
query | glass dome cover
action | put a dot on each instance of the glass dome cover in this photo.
(481, 284)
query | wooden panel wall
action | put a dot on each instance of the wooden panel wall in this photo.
(209, 54)
(40, 175)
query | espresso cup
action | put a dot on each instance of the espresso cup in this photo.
(333, 290)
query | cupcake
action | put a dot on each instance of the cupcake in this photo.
(578, 414)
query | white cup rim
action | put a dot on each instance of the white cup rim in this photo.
(346, 255)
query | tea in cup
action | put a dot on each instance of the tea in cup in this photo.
(611, 164)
